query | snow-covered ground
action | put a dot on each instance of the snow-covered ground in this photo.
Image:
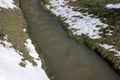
(80, 23)
(10, 60)
(8, 4)
(113, 6)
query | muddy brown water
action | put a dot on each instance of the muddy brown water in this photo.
(67, 59)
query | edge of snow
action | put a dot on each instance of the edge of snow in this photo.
(80, 23)
(7, 4)
(113, 6)
(10, 59)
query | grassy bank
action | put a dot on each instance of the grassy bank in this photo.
(108, 16)
(12, 25)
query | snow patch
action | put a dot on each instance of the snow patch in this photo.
(8, 4)
(24, 30)
(79, 23)
(31, 49)
(113, 6)
(110, 48)
(106, 46)
(10, 68)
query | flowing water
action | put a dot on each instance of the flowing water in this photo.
(67, 59)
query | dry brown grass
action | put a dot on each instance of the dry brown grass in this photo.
(12, 23)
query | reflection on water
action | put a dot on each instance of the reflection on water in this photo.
(67, 59)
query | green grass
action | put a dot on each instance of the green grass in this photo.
(97, 7)
(45, 1)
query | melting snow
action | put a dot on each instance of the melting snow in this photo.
(113, 6)
(24, 30)
(7, 4)
(80, 23)
(106, 46)
(110, 48)
(31, 49)
(10, 68)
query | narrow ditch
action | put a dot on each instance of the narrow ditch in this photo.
(67, 59)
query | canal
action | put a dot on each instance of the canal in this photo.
(67, 59)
